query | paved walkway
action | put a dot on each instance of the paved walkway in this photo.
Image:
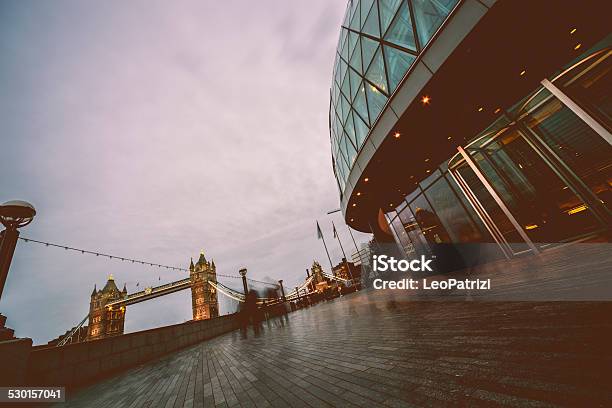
(368, 350)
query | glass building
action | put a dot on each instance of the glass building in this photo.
(454, 123)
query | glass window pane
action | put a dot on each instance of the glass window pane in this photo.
(355, 21)
(371, 25)
(355, 81)
(451, 213)
(400, 32)
(361, 130)
(433, 230)
(359, 104)
(401, 236)
(365, 6)
(591, 87)
(344, 52)
(398, 63)
(346, 86)
(414, 232)
(350, 129)
(353, 37)
(376, 101)
(429, 15)
(350, 151)
(368, 48)
(376, 71)
(579, 146)
(356, 58)
(387, 11)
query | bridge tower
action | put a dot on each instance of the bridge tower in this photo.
(317, 272)
(106, 321)
(204, 301)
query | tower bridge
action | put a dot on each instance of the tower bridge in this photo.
(108, 305)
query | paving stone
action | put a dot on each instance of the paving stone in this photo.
(361, 351)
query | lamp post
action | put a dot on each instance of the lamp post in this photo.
(243, 273)
(280, 282)
(13, 215)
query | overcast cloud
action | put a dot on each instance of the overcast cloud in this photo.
(153, 130)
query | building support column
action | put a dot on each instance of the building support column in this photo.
(574, 107)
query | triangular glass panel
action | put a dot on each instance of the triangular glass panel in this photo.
(359, 104)
(354, 8)
(346, 87)
(350, 128)
(344, 52)
(343, 148)
(353, 37)
(346, 109)
(429, 15)
(387, 12)
(371, 25)
(347, 17)
(398, 63)
(337, 78)
(400, 32)
(356, 58)
(376, 71)
(368, 48)
(343, 34)
(341, 72)
(376, 101)
(355, 81)
(337, 122)
(351, 153)
(361, 130)
(342, 106)
(355, 22)
(365, 5)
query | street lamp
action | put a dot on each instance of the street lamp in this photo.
(13, 215)
(243, 273)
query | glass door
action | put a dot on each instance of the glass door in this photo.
(543, 205)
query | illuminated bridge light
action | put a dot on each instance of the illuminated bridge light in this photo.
(577, 209)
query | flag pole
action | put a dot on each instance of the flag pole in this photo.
(353, 238)
(342, 249)
(320, 235)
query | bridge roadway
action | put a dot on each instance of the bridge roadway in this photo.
(368, 350)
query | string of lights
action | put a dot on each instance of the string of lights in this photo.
(131, 260)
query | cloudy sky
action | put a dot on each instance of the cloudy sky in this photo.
(153, 130)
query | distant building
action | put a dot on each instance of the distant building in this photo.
(347, 270)
(205, 304)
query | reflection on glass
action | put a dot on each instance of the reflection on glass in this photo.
(451, 213)
(429, 15)
(429, 222)
(540, 201)
(413, 231)
(591, 86)
(401, 236)
(581, 148)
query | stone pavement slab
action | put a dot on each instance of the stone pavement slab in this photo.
(370, 350)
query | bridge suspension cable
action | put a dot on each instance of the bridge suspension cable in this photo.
(132, 260)
(69, 336)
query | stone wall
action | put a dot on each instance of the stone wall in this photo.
(81, 363)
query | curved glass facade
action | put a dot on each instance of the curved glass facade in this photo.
(379, 41)
(546, 160)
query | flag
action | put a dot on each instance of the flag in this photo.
(335, 232)
(319, 233)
